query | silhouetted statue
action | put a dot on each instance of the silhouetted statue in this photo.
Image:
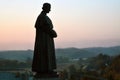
(44, 61)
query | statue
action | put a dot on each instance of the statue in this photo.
(44, 61)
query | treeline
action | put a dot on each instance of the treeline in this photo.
(6, 64)
(112, 72)
(101, 67)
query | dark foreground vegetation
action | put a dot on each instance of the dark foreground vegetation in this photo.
(72, 63)
(101, 67)
(6, 64)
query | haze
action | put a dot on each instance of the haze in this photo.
(79, 23)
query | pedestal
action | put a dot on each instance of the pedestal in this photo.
(46, 76)
(46, 79)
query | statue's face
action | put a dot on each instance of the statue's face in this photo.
(47, 9)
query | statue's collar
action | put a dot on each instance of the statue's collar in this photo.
(44, 13)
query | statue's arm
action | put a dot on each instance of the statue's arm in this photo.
(42, 25)
(47, 28)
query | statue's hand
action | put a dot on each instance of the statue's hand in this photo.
(53, 34)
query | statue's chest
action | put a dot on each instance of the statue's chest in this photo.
(49, 21)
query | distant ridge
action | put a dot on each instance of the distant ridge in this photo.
(20, 55)
(73, 53)
(114, 50)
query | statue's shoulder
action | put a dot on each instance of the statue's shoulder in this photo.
(41, 18)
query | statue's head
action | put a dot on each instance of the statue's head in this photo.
(46, 7)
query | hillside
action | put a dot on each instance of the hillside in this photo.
(20, 55)
(73, 53)
(105, 50)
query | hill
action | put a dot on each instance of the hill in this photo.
(73, 53)
(105, 50)
(20, 55)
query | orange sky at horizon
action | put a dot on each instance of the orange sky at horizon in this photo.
(78, 23)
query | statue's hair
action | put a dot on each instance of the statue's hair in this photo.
(45, 5)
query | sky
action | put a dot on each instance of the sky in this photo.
(78, 23)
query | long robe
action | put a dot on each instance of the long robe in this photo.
(44, 51)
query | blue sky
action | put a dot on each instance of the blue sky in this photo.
(79, 23)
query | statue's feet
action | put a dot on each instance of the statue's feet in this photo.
(46, 75)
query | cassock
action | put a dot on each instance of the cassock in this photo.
(44, 50)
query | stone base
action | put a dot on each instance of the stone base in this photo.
(46, 75)
(46, 79)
